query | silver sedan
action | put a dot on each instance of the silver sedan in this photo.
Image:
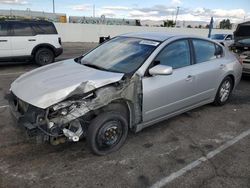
(127, 83)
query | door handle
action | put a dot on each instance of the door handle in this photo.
(189, 77)
(32, 39)
(222, 66)
(3, 40)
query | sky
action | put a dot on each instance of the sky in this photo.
(190, 10)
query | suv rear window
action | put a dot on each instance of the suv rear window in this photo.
(22, 29)
(43, 28)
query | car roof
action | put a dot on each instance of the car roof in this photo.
(244, 23)
(162, 36)
(26, 21)
(157, 36)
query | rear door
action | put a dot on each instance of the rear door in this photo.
(23, 39)
(208, 68)
(5, 40)
(46, 33)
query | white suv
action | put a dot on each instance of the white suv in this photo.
(36, 40)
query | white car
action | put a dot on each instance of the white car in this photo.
(29, 40)
(224, 39)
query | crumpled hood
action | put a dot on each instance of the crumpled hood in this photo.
(53, 83)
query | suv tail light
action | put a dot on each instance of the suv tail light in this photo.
(59, 40)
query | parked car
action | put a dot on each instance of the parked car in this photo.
(241, 46)
(224, 39)
(127, 83)
(29, 40)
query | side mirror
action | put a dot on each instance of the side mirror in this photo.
(161, 70)
(228, 39)
(78, 59)
(218, 51)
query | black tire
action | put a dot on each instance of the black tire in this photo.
(44, 56)
(107, 132)
(219, 99)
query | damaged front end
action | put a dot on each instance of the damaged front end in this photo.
(69, 119)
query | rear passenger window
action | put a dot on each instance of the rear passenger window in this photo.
(44, 28)
(176, 55)
(204, 50)
(3, 29)
(22, 29)
(229, 37)
(219, 51)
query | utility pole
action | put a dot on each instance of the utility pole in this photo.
(93, 10)
(54, 6)
(177, 12)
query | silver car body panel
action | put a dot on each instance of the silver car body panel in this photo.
(51, 84)
(165, 96)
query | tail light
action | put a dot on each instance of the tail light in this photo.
(59, 40)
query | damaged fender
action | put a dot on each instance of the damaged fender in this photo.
(129, 90)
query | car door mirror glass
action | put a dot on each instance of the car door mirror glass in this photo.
(78, 59)
(218, 51)
(161, 70)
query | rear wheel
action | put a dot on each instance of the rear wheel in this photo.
(107, 132)
(44, 56)
(224, 91)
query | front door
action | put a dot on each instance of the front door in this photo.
(166, 94)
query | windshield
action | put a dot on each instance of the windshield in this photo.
(218, 36)
(121, 54)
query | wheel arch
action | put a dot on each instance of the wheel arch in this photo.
(232, 77)
(44, 45)
(122, 105)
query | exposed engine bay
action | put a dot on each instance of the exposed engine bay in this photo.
(68, 120)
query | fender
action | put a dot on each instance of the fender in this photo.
(43, 45)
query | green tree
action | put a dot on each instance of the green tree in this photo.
(169, 23)
(225, 24)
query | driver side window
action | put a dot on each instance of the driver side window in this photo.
(175, 55)
(229, 37)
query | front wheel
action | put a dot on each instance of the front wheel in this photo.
(107, 132)
(224, 91)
